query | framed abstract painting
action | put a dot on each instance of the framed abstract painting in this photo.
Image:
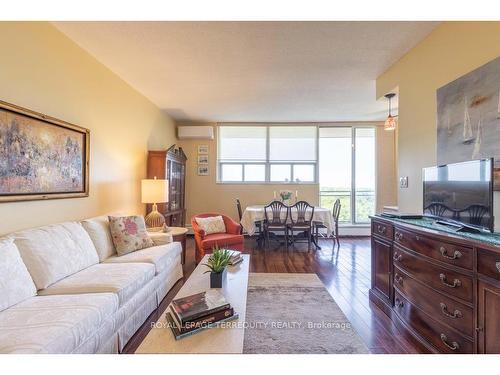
(41, 157)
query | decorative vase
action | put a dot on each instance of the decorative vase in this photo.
(218, 280)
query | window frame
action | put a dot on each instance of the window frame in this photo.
(268, 162)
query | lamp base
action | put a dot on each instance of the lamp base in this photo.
(155, 221)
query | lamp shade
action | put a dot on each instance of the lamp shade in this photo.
(154, 191)
(390, 123)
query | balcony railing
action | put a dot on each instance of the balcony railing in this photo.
(365, 204)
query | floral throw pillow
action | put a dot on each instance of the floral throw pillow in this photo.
(129, 234)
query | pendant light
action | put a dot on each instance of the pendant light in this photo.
(390, 122)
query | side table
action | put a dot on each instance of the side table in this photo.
(179, 235)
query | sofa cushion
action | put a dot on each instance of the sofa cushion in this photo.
(161, 238)
(161, 256)
(54, 324)
(55, 251)
(129, 234)
(123, 279)
(16, 284)
(211, 224)
(221, 240)
(98, 230)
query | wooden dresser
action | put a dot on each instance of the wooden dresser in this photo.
(441, 289)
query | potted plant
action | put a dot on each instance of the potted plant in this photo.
(217, 263)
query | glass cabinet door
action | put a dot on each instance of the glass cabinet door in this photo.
(175, 188)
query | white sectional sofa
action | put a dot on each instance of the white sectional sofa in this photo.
(64, 289)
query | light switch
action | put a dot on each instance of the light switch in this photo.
(403, 182)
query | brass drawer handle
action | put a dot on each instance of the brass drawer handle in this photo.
(399, 303)
(454, 345)
(397, 257)
(399, 236)
(456, 282)
(398, 279)
(381, 229)
(456, 254)
(444, 309)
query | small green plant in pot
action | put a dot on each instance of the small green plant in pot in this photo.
(217, 263)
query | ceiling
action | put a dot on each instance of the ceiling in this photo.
(253, 71)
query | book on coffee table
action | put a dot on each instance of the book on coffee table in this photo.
(206, 319)
(188, 309)
(235, 257)
(180, 333)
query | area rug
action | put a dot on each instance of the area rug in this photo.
(294, 314)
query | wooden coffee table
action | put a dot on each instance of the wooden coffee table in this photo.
(220, 340)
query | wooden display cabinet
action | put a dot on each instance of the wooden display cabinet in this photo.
(170, 165)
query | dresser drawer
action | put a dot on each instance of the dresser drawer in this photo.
(435, 304)
(437, 277)
(444, 339)
(382, 229)
(488, 263)
(448, 253)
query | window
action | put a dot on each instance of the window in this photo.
(364, 181)
(274, 153)
(242, 153)
(347, 171)
(292, 153)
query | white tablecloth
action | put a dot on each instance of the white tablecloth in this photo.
(255, 213)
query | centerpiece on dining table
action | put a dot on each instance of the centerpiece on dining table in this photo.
(286, 196)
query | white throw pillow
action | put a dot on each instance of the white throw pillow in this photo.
(209, 225)
(16, 284)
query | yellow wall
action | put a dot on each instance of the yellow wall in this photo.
(204, 194)
(43, 70)
(450, 51)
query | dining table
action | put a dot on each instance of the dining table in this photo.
(255, 213)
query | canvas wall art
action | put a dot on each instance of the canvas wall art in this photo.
(468, 116)
(41, 157)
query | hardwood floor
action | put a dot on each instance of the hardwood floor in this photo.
(345, 273)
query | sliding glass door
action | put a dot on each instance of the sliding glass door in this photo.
(335, 169)
(347, 171)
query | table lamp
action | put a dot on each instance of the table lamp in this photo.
(154, 191)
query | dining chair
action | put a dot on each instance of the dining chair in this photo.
(240, 213)
(335, 216)
(301, 215)
(277, 222)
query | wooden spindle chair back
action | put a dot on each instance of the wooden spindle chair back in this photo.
(305, 213)
(276, 208)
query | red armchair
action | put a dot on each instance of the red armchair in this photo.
(206, 242)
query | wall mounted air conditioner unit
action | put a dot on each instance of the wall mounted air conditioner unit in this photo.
(195, 132)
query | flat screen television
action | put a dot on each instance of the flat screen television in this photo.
(460, 193)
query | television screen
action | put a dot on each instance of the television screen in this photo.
(461, 192)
